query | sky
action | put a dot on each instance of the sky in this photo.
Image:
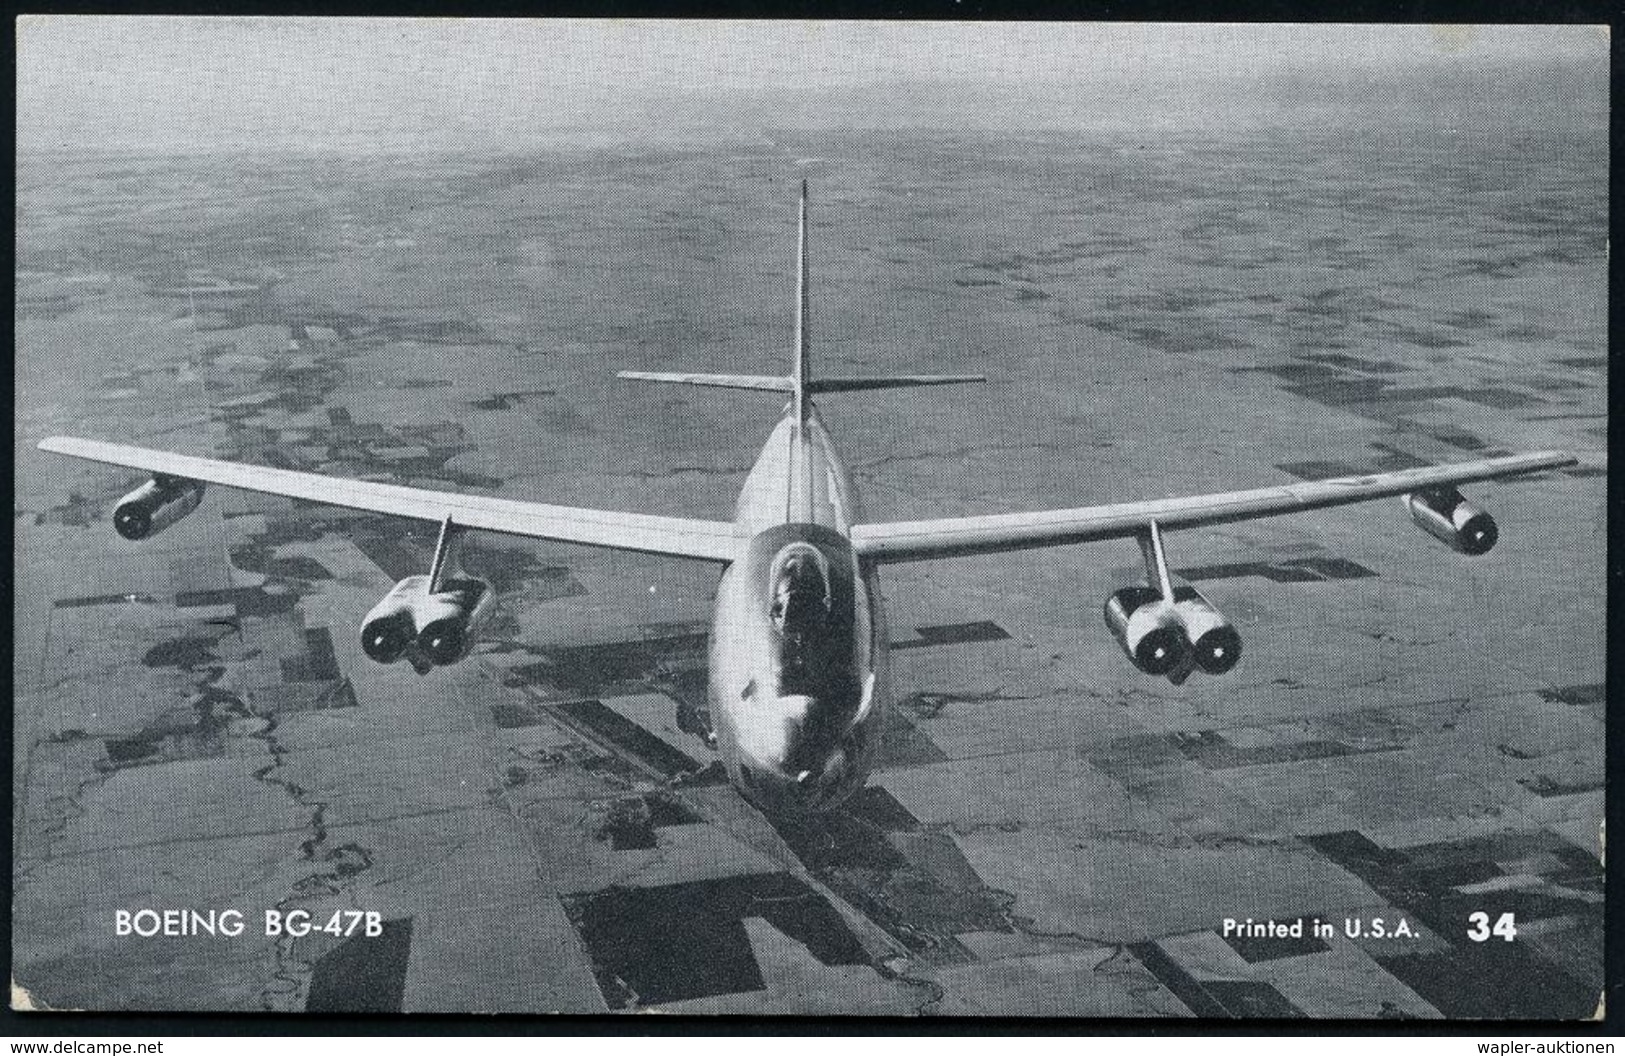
(174, 81)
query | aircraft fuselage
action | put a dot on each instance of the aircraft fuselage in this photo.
(798, 642)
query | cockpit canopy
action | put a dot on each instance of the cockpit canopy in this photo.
(808, 627)
(799, 600)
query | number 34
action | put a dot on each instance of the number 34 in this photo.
(1480, 931)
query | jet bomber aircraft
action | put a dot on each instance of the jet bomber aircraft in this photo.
(798, 686)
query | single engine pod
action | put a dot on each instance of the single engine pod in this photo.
(450, 621)
(1215, 642)
(156, 505)
(1446, 516)
(389, 630)
(1218, 650)
(443, 641)
(1147, 628)
(386, 638)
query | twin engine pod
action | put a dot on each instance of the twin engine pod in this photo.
(1444, 514)
(429, 629)
(1161, 637)
(156, 505)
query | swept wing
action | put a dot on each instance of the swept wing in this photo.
(956, 536)
(672, 536)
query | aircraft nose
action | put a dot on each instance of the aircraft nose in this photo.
(795, 752)
(797, 785)
(822, 771)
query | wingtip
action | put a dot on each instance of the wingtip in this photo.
(1536, 462)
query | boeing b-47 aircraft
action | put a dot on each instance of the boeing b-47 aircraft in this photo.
(798, 687)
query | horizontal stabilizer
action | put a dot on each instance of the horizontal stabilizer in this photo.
(761, 382)
(778, 383)
(896, 382)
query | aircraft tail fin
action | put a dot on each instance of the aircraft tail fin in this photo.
(800, 383)
(802, 375)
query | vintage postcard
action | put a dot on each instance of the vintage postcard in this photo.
(810, 518)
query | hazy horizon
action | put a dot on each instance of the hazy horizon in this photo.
(178, 83)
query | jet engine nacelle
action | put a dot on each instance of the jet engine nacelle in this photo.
(1215, 642)
(1148, 628)
(1444, 514)
(156, 505)
(391, 627)
(449, 625)
(431, 629)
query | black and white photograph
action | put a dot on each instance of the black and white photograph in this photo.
(830, 518)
